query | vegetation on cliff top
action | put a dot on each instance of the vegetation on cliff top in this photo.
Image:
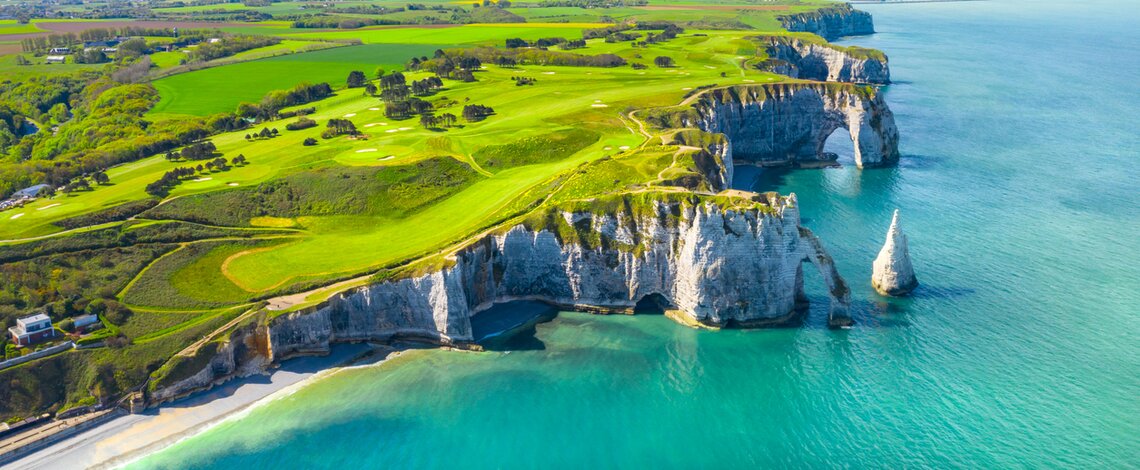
(572, 129)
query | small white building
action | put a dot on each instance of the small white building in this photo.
(55, 59)
(60, 50)
(84, 321)
(31, 329)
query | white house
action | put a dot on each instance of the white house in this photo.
(56, 59)
(31, 329)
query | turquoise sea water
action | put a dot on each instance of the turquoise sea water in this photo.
(1020, 192)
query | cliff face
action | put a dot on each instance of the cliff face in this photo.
(831, 23)
(798, 58)
(718, 266)
(789, 124)
(715, 260)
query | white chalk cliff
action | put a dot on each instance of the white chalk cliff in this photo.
(831, 23)
(714, 260)
(788, 124)
(893, 273)
(799, 58)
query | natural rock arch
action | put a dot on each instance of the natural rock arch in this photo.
(788, 124)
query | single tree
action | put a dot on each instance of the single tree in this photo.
(356, 79)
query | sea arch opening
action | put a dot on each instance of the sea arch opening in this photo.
(837, 145)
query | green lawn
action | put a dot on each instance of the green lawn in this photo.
(220, 89)
(510, 150)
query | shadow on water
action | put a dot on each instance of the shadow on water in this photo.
(512, 326)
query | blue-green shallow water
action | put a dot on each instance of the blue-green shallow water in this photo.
(1020, 193)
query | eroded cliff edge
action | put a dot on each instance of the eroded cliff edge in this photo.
(788, 124)
(812, 59)
(831, 23)
(718, 260)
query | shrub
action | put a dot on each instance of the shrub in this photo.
(309, 142)
(303, 123)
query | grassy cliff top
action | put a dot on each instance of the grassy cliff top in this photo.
(789, 38)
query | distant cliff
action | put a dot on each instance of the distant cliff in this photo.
(818, 60)
(831, 23)
(727, 260)
(788, 124)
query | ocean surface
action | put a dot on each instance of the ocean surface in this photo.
(1020, 192)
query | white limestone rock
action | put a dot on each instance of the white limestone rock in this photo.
(831, 23)
(798, 58)
(893, 273)
(788, 124)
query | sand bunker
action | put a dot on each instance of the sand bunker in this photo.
(373, 109)
(365, 150)
(392, 130)
(17, 216)
(599, 105)
(389, 157)
(624, 147)
(349, 115)
(199, 180)
(548, 73)
(49, 206)
(405, 128)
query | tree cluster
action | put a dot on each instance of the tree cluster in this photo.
(229, 45)
(574, 44)
(622, 36)
(267, 133)
(274, 101)
(341, 22)
(198, 151)
(521, 80)
(91, 56)
(430, 121)
(426, 86)
(170, 180)
(356, 79)
(511, 57)
(339, 127)
(476, 112)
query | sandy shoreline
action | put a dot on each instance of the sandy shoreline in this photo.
(126, 439)
(131, 437)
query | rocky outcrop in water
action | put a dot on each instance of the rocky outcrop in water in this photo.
(812, 60)
(830, 23)
(714, 260)
(893, 273)
(788, 124)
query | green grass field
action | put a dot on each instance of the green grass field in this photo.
(590, 99)
(220, 89)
